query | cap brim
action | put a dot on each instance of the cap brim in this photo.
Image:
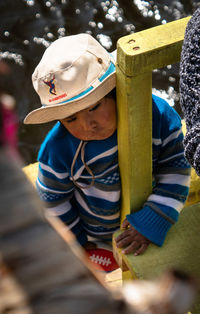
(61, 111)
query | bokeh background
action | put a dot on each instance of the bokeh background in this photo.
(28, 27)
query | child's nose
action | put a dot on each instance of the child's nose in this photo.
(88, 123)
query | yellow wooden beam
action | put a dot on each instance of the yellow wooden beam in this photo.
(152, 48)
(134, 140)
(138, 55)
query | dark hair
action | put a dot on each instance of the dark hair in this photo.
(112, 94)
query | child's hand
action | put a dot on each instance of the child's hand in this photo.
(134, 241)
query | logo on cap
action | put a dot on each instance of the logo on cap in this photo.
(52, 88)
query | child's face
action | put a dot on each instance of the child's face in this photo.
(97, 122)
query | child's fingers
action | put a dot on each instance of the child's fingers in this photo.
(142, 248)
(123, 235)
(125, 224)
(131, 232)
(133, 246)
(123, 241)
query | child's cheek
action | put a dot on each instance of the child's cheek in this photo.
(78, 134)
(75, 131)
(109, 118)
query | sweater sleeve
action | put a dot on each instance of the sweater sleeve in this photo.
(189, 89)
(56, 191)
(172, 178)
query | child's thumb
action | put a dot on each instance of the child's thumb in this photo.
(125, 224)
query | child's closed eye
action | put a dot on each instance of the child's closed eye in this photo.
(95, 107)
(71, 119)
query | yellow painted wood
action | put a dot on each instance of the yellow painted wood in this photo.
(137, 55)
(181, 251)
(123, 261)
(194, 193)
(126, 275)
(134, 139)
(152, 48)
(31, 172)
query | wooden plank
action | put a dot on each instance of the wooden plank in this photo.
(40, 271)
(152, 48)
(138, 54)
(194, 192)
(180, 251)
(158, 47)
(31, 171)
(134, 139)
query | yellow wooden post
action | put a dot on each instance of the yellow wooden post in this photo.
(137, 55)
(135, 153)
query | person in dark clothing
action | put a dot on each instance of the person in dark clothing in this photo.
(190, 90)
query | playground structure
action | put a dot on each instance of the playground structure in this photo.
(137, 56)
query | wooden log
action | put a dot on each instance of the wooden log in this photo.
(169, 294)
(40, 272)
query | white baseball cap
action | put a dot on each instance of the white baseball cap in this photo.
(74, 73)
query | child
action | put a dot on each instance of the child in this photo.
(78, 175)
(190, 89)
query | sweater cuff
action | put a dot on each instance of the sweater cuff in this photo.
(82, 238)
(150, 224)
(80, 233)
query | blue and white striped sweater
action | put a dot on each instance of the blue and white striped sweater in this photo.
(95, 211)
